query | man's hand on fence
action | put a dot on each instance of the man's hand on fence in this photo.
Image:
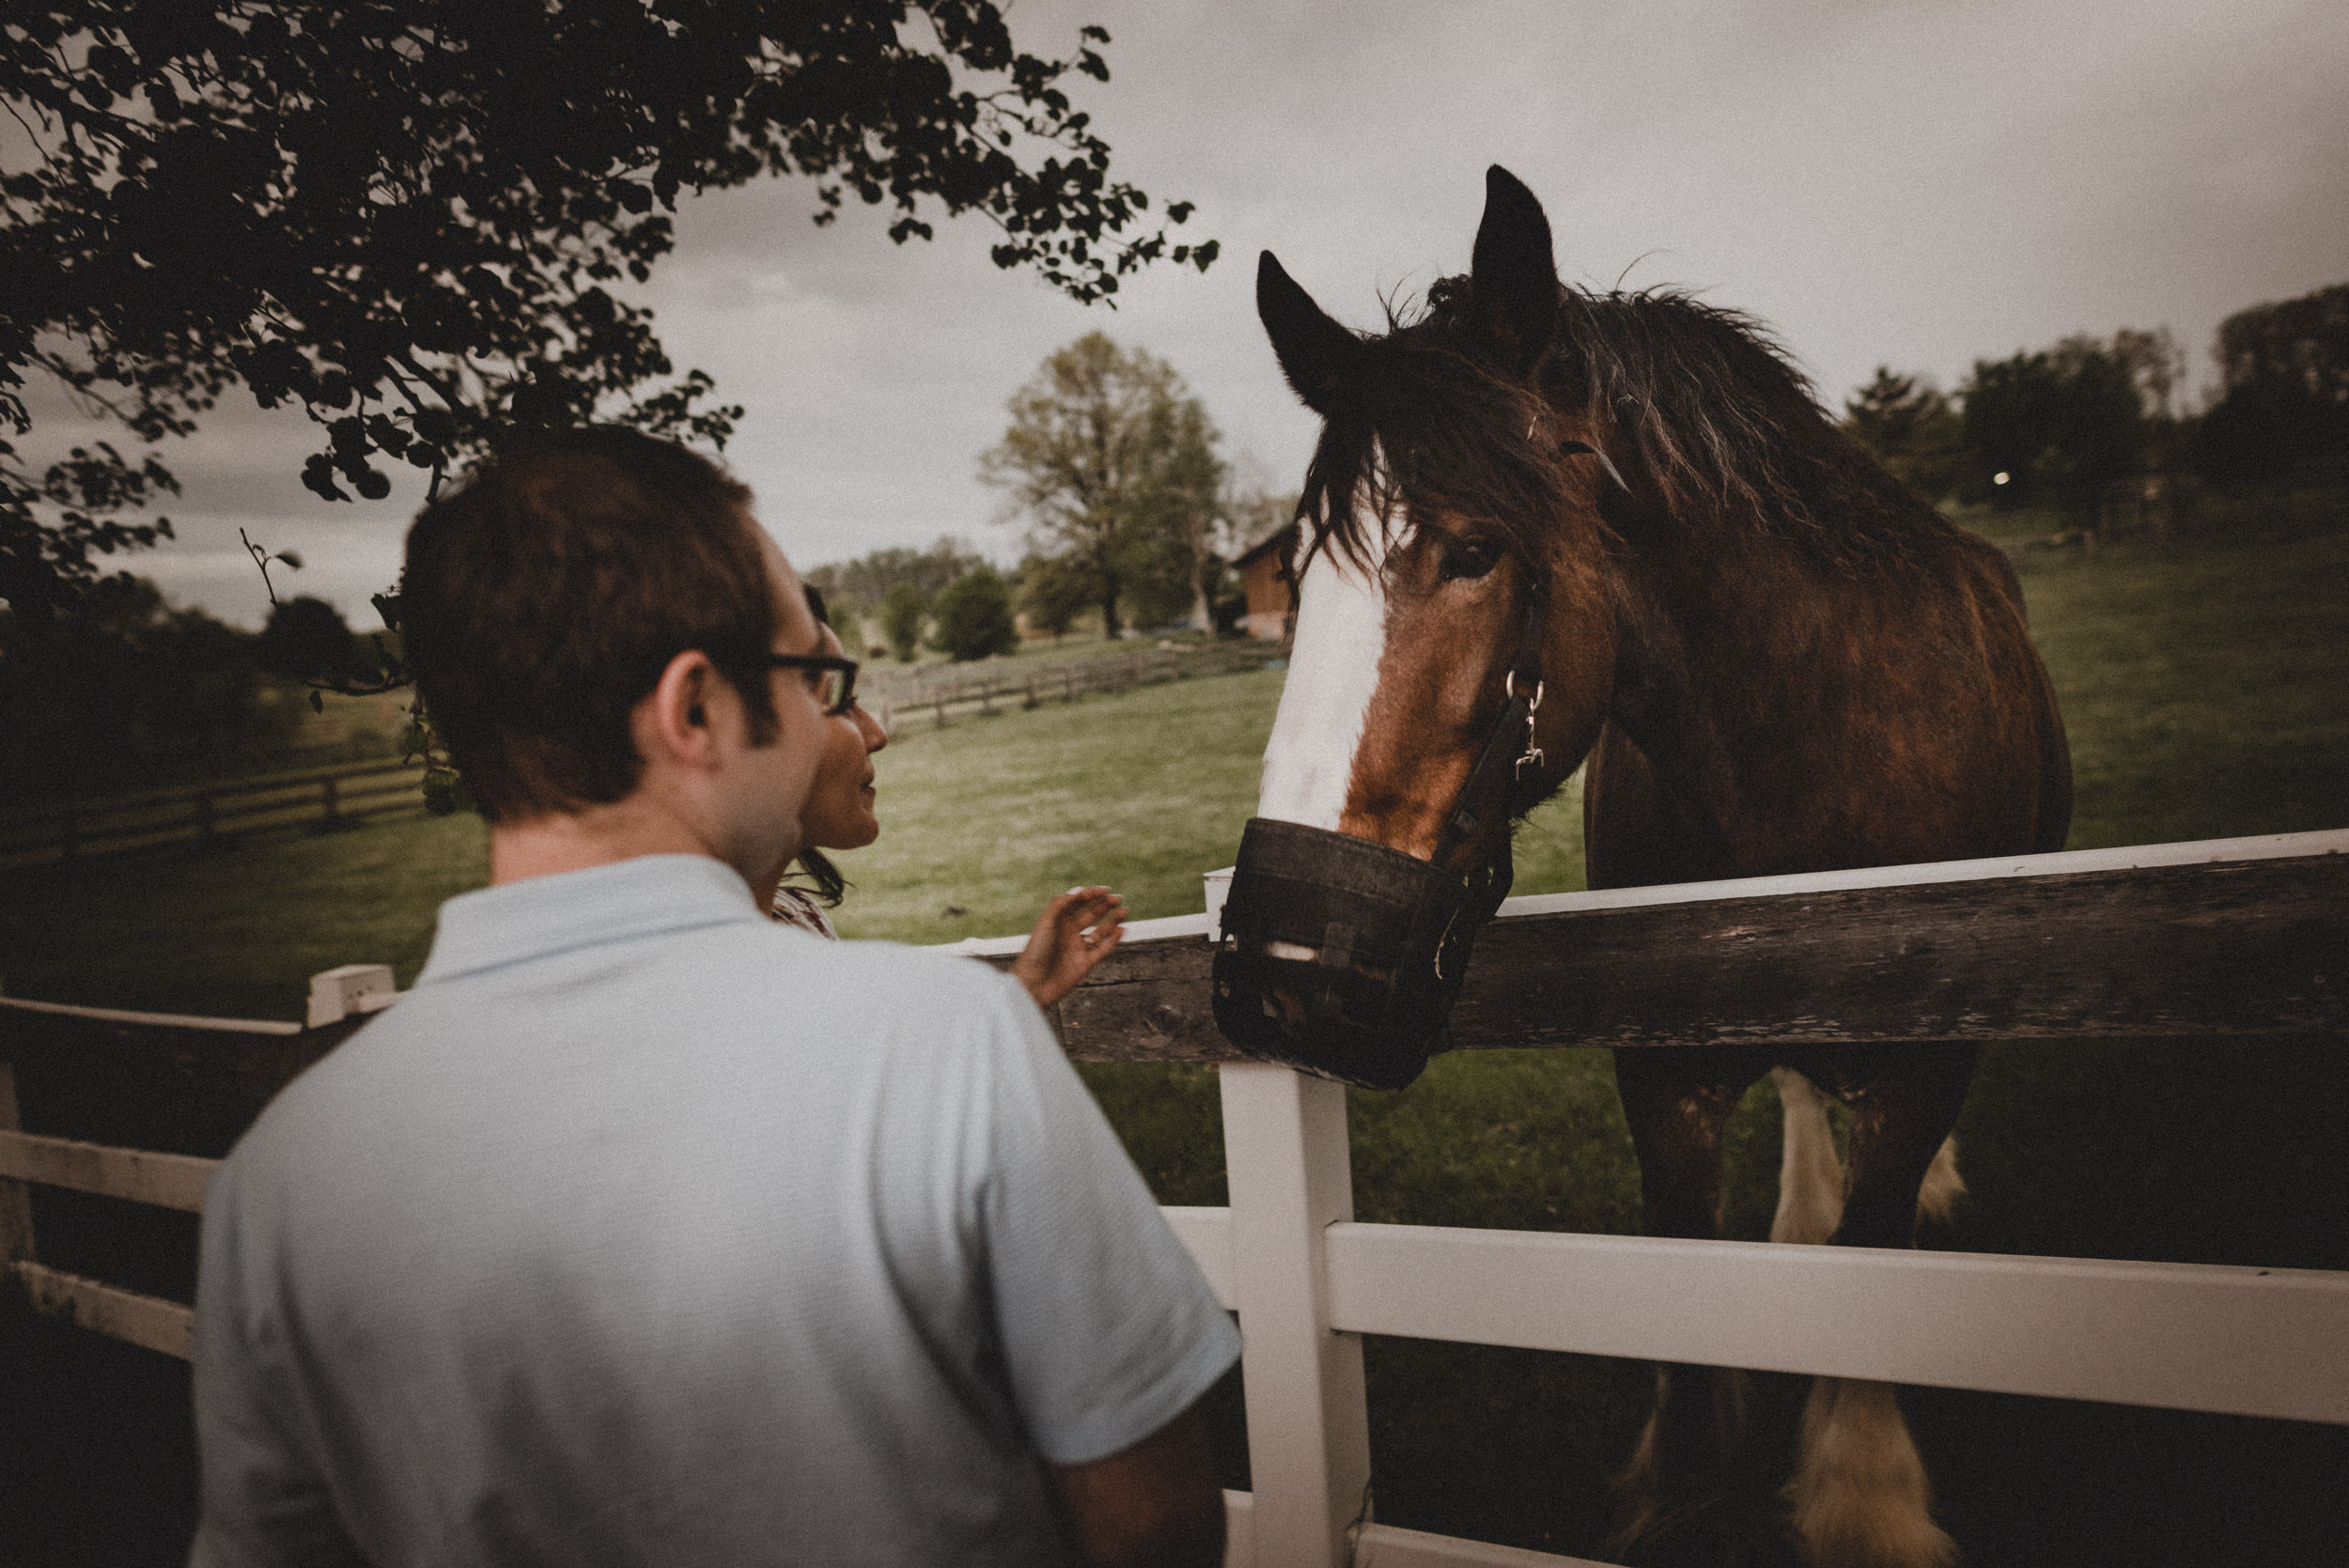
(1076, 931)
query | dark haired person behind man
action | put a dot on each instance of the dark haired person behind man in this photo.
(645, 1230)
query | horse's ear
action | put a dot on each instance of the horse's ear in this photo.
(1317, 354)
(1513, 275)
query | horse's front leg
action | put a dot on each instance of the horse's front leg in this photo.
(1859, 1493)
(1676, 1493)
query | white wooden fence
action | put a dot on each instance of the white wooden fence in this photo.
(1307, 1281)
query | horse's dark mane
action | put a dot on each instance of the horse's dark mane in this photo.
(1726, 432)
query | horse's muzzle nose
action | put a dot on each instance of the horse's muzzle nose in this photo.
(1340, 956)
(1336, 1022)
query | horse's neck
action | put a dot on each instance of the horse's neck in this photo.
(1715, 671)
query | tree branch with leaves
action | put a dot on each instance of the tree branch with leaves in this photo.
(414, 220)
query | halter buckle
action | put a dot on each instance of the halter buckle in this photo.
(1533, 753)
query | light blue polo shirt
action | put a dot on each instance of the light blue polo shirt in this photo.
(645, 1230)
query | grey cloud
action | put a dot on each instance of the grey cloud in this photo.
(1917, 184)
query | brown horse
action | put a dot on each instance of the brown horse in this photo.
(1543, 525)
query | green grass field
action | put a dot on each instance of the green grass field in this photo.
(2205, 680)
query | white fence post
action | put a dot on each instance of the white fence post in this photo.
(1308, 1427)
(335, 994)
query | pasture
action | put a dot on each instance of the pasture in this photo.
(2202, 678)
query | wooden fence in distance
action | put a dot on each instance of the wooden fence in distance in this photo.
(937, 689)
(2237, 938)
(320, 800)
(336, 797)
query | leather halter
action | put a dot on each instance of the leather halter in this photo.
(1371, 943)
(1341, 956)
(1497, 777)
(1508, 767)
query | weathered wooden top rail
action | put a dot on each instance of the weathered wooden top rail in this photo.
(2222, 936)
(2228, 937)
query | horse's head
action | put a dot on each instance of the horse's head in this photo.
(1454, 652)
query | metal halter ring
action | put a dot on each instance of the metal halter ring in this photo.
(1531, 754)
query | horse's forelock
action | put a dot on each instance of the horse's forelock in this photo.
(1434, 429)
(1704, 403)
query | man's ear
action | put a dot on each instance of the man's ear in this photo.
(673, 718)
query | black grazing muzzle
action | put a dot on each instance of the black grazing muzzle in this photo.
(1342, 957)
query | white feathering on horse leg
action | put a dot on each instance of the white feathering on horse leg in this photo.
(1938, 1199)
(1859, 1493)
(1809, 1177)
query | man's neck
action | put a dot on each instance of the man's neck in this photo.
(557, 842)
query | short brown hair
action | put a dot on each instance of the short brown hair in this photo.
(543, 597)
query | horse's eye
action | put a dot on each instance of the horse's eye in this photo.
(1469, 558)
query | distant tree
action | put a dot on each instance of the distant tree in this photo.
(1909, 426)
(2009, 415)
(414, 223)
(848, 624)
(866, 581)
(2060, 424)
(1052, 590)
(1156, 592)
(903, 610)
(1110, 461)
(307, 637)
(2304, 341)
(974, 617)
(2100, 431)
(2285, 371)
(2157, 367)
(2264, 429)
(118, 689)
(1184, 506)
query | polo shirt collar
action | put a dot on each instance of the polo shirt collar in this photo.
(538, 916)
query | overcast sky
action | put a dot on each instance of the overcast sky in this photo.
(1917, 184)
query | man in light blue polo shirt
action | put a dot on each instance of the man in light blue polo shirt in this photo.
(645, 1230)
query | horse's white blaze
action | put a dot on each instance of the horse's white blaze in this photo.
(1333, 672)
(1860, 1492)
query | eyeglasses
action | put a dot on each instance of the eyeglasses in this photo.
(832, 680)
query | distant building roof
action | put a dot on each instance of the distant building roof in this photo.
(1265, 547)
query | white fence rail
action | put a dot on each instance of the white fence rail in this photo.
(1307, 1281)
